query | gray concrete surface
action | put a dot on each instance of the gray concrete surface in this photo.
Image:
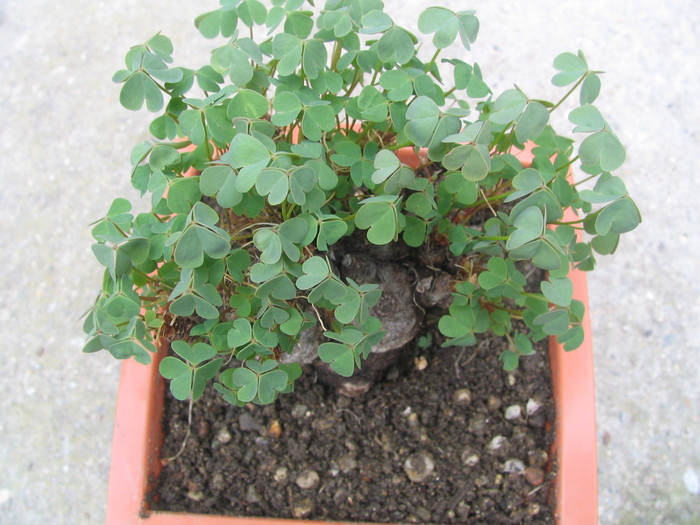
(65, 156)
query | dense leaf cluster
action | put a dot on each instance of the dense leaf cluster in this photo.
(289, 140)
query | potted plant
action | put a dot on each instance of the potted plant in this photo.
(287, 176)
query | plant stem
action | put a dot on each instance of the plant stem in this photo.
(494, 238)
(432, 60)
(568, 93)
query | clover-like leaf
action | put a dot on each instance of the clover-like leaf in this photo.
(571, 67)
(396, 47)
(270, 384)
(246, 383)
(268, 242)
(385, 164)
(602, 150)
(508, 107)
(339, 356)
(240, 333)
(529, 225)
(496, 275)
(380, 217)
(248, 104)
(620, 216)
(315, 271)
(446, 24)
(180, 375)
(221, 21)
(587, 119)
(554, 322)
(422, 116)
(532, 122)
(558, 291)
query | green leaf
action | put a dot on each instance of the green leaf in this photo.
(270, 384)
(532, 122)
(246, 150)
(398, 83)
(473, 160)
(183, 193)
(252, 12)
(222, 21)
(395, 47)
(220, 181)
(554, 322)
(572, 338)
(558, 291)
(372, 104)
(440, 21)
(572, 68)
(590, 89)
(330, 230)
(248, 104)
(315, 271)
(510, 360)
(347, 311)
(381, 218)
(529, 225)
(314, 58)
(587, 119)
(139, 88)
(422, 116)
(287, 107)
(288, 50)
(508, 107)
(268, 242)
(293, 325)
(496, 275)
(340, 357)
(180, 375)
(162, 156)
(246, 383)
(376, 21)
(240, 333)
(385, 164)
(316, 120)
(274, 184)
(452, 327)
(620, 216)
(602, 150)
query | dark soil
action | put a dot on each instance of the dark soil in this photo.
(252, 461)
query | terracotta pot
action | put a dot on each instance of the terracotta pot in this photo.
(138, 433)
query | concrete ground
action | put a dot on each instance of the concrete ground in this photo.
(66, 155)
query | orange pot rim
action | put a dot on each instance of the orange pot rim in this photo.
(138, 433)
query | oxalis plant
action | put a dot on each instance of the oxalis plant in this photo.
(315, 128)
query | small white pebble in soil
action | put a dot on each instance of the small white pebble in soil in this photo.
(496, 443)
(223, 436)
(511, 380)
(419, 466)
(532, 406)
(513, 412)
(302, 508)
(462, 396)
(406, 411)
(421, 363)
(281, 474)
(309, 479)
(471, 460)
(514, 466)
